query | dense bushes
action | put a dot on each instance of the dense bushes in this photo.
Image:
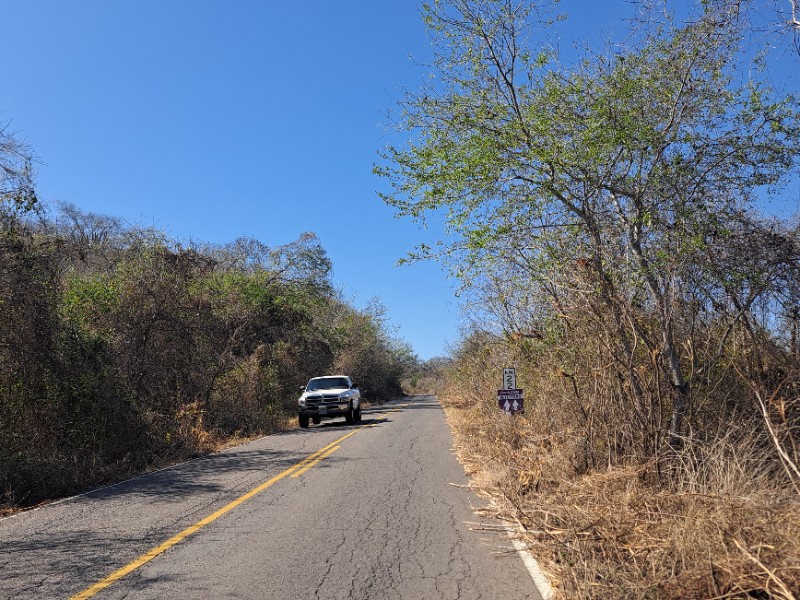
(121, 349)
(592, 471)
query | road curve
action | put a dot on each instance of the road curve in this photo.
(331, 512)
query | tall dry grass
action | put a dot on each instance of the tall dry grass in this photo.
(718, 519)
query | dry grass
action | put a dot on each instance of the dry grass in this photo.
(726, 528)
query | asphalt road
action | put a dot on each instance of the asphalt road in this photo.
(331, 512)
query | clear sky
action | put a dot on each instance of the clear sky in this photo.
(212, 120)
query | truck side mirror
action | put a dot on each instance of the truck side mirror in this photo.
(302, 388)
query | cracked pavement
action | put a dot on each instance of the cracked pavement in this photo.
(377, 519)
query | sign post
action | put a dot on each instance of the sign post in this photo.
(511, 399)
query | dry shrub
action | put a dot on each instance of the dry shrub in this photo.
(738, 463)
(241, 403)
(723, 527)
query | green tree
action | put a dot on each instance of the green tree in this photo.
(621, 169)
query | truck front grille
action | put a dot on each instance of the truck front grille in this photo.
(323, 399)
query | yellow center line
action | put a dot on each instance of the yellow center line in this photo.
(300, 468)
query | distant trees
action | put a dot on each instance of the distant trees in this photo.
(613, 197)
(367, 351)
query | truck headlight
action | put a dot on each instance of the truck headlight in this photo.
(302, 401)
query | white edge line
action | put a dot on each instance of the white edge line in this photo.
(539, 579)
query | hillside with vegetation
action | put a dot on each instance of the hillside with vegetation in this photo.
(122, 350)
(603, 218)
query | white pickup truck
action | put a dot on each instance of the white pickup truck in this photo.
(328, 397)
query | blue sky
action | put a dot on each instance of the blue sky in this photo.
(213, 120)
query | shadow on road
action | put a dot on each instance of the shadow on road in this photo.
(340, 424)
(198, 475)
(210, 473)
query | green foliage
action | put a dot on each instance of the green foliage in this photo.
(87, 300)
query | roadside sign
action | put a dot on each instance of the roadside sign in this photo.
(511, 401)
(509, 379)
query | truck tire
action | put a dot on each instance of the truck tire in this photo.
(316, 420)
(350, 417)
(358, 414)
(303, 419)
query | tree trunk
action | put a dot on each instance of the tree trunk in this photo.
(680, 387)
(680, 393)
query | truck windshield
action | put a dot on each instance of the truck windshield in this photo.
(327, 383)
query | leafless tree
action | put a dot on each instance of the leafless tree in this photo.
(17, 192)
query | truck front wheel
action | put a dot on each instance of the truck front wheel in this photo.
(303, 419)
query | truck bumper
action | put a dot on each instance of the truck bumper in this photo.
(327, 410)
